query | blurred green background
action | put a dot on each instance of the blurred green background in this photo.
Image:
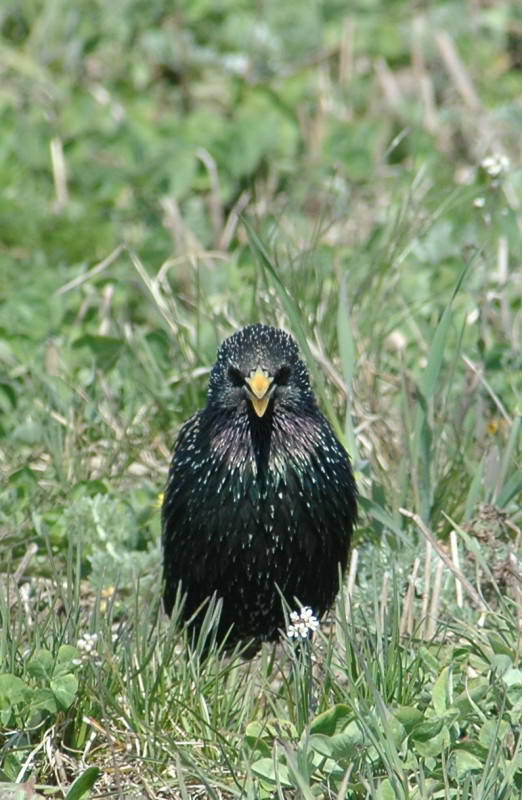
(170, 171)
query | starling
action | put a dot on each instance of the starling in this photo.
(260, 501)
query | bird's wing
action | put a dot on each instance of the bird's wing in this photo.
(179, 467)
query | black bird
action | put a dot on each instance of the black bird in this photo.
(260, 499)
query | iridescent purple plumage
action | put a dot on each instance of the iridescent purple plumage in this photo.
(261, 501)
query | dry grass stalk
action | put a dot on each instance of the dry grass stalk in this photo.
(427, 587)
(469, 588)
(352, 572)
(383, 599)
(12, 591)
(431, 622)
(232, 220)
(91, 273)
(347, 52)
(59, 175)
(406, 623)
(456, 561)
(153, 287)
(422, 76)
(488, 388)
(389, 84)
(456, 70)
(184, 239)
(215, 205)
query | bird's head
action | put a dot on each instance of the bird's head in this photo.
(259, 367)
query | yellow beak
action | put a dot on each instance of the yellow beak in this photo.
(259, 384)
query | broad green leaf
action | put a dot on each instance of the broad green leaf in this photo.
(28, 433)
(385, 791)
(431, 661)
(64, 689)
(64, 660)
(441, 692)
(473, 694)
(427, 730)
(41, 664)
(432, 746)
(466, 762)
(13, 690)
(339, 746)
(44, 700)
(83, 784)
(258, 739)
(501, 664)
(264, 768)
(409, 717)
(512, 677)
(500, 646)
(333, 720)
(23, 477)
(493, 732)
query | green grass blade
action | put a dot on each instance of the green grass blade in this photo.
(513, 443)
(295, 318)
(474, 490)
(83, 784)
(438, 345)
(347, 352)
(423, 440)
(511, 488)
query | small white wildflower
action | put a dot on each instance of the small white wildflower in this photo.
(87, 644)
(303, 623)
(495, 164)
(479, 202)
(237, 63)
(262, 35)
(396, 340)
(465, 175)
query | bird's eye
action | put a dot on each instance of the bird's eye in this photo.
(235, 377)
(282, 376)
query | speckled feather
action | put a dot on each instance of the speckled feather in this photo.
(255, 503)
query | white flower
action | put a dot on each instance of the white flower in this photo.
(236, 62)
(303, 623)
(87, 644)
(495, 164)
(479, 202)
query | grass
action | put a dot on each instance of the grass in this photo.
(170, 174)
